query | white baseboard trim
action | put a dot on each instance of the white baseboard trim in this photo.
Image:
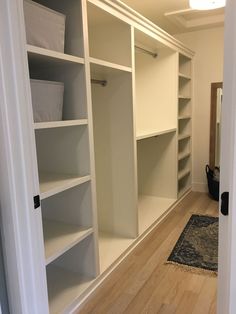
(200, 187)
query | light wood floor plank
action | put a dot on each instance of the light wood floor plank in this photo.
(144, 284)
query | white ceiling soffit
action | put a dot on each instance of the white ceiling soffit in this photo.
(190, 19)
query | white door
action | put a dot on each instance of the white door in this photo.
(227, 233)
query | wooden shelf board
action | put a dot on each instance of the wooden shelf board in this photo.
(51, 184)
(184, 155)
(103, 67)
(184, 117)
(111, 247)
(59, 124)
(146, 134)
(184, 76)
(151, 209)
(64, 288)
(182, 137)
(38, 54)
(60, 237)
(183, 173)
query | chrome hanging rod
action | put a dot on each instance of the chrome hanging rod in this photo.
(100, 82)
(153, 54)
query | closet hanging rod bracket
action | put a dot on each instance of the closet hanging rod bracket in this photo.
(153, 54)
(100, 82)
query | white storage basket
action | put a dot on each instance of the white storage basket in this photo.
(47, 100)
(45, 28)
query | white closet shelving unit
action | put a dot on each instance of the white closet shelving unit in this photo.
(64, 166)
(184, 124)
(121, 156)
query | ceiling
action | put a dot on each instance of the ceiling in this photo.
(175, 16)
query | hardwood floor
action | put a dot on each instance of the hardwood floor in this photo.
(143, 284)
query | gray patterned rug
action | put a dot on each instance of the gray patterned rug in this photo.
(197, 246)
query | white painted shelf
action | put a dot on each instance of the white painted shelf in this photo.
(151, 209)
(183, 173)
(146, 134)
(38, 55)
(64, 287)
(184, 117)
(183, 155)
(184, 97)
(102, 67)
(60, 237)
(183, 190)
(182, 137)
(51, 184)
(184, 76)
(59, 124)
(111, 247)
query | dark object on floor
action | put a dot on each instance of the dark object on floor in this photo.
(213, 182)
(197, 247)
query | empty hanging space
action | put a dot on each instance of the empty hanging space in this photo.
(63, 158)
(109, 37)
(156, 87)
(156, 177)
(70, 275)
(114, 161)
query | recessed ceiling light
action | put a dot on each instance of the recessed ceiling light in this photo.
(206, 4)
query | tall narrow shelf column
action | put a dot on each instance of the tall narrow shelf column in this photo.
(64, 164)
(184, 124)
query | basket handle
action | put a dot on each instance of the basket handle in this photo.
(207, 169)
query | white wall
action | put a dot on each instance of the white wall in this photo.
(208, 68)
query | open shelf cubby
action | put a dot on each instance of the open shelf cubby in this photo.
(109, 37)
(184, 147)
(184, 107)
(184, 165)
(185, 66)
(154, 77)
(67, 220)
(72, 9)
(73, 77)
(184, 126)
(114, 161)
(184, 87)
(184, 184)
(70, 275)
(58, 170)
(157, 172)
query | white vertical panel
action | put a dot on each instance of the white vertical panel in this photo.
(227, 231)
(21, 223)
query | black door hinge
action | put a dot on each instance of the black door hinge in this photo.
(36, 201)
(225, 204)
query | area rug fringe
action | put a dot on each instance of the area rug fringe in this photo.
(193, 270)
